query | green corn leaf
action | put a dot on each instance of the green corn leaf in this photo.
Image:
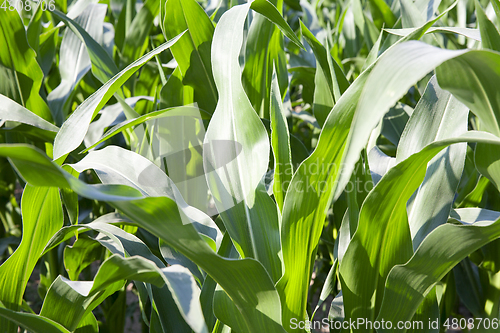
(249, 214)
(80, 255)
(329, 287)
(467, 32)
(192, 51)
(38, 127)
(169, 112)
(35, 29)
(88, 324)
(112, 275)
(320, 175)
(45, 55)
(74, 59)
(410, 14)
(31, 322)
(490, 37)
(31, 163)
(438, 115)
(42, 217)
(103, 67)
(73, 130)
(280, 141)
(329, 80)
(408, 284)
(264, 47)
(373, 55)
(209, 286)
(68, 302)
(109, 116)
(21, 76)
(472, 79)
(383, 229)
(112, 167)
(246, 281)
(124, 244)
(174, 93)
(269, 10)
(382, 14)
(136, 37)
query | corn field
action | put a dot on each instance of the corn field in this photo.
(271, 166)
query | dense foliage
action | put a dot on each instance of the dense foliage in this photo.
(263, 166)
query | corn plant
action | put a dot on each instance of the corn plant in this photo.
(262, 166)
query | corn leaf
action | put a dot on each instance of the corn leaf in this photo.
(363, 278)
(73, 130)
(74, 60)
(42, 217)
(472, 79)
(136, 37)
(37, 126)
(407, 62)
(280, 141)
(438, 115)
(31, 322)
(192, 51)
(111, 276)
(449, 244)
(246, 281)
(248, 213)
(21, 76)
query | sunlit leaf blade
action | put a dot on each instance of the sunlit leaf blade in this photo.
(408, 284)
(88, 324)
(370, 96)
(31, 322)
(169, 112)
(246, 281)
(124, 244)
(467, 32)
(80, 255)
(269, 10)
(280, 141)
(103, 67)
(21, 76)
(382, 13)
(32, 163)
(73, 130)
(472, 79)
(11, 111)
(112, 167)
(174, 93)
(74, 60)
(438, 115)
(410, 15)
(111, 276)
(42, 217)
(383, 229)
(408, 62)
(263, 48)
(234, 172)
(110, 115)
